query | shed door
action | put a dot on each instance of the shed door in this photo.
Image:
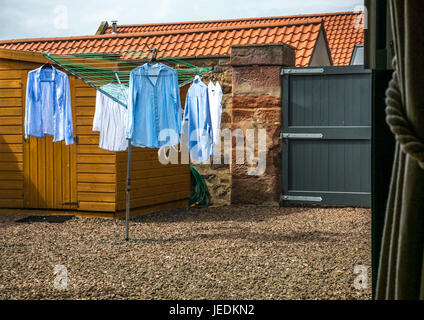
(50, 172)
(327, 136)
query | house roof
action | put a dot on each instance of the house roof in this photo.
(189, 43)
(340, 29)
(214, 38)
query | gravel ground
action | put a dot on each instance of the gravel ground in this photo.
(237, 252)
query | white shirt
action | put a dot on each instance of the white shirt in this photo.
(110, 120)
(215, 98)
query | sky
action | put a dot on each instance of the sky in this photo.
(34, 18)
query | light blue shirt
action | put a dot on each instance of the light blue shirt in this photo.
(48, 105)
(153, 105)
(197, 124)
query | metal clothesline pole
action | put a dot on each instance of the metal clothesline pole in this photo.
(128, 192)
(128, 187)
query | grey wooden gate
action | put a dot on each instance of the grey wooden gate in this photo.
(327, 136)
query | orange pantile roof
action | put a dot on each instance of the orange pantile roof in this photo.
(189, 43)
(340, 28)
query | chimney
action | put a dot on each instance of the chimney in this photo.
(114, 26)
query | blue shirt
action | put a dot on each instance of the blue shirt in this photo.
(48, 105)
(197, 124)
(153, 105)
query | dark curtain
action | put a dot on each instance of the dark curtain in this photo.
(401, 270)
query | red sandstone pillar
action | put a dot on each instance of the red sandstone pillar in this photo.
(257, 105)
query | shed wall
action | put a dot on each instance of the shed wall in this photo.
(11, 134)
(99, 174)
(151, 182)
(96, 168)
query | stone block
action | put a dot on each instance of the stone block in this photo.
(255, 190)
(254, 101)
(257, 80)
(263, 55)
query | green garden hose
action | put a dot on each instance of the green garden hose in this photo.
(199, 195)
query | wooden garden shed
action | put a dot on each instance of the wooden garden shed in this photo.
(80, 179)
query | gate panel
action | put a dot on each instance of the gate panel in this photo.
(327, 136)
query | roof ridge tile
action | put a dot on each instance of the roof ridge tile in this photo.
(297, 16)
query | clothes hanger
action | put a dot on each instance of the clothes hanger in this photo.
(213, 79)
(153, 60)
(47, 65)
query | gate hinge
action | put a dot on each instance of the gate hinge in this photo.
(307, 136)
(301, 70)
(76, 139)
(301, 199)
